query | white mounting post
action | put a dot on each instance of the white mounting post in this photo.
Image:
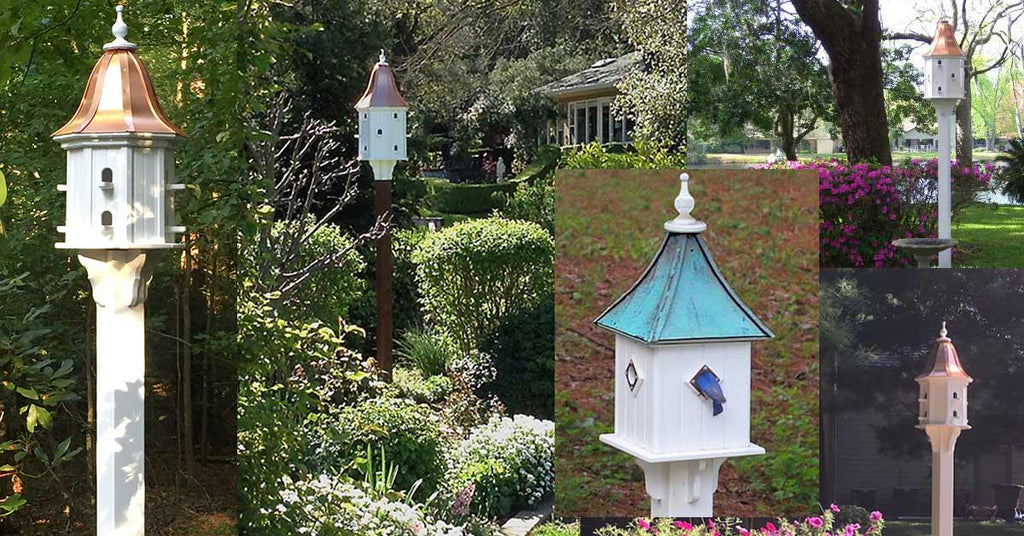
(120, 280)
(947, 126)
(943, 440)
(683, 488)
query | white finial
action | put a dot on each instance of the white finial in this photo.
(684, 222)
(942, 332)
(383, 60)
(120, 30)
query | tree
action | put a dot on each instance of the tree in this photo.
(984, 22)
(754, 65)
(993, 104)
(851, 34)
(904, 101)
(655, 96)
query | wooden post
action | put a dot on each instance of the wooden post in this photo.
(385, 344)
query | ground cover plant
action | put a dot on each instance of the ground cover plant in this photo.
(826, 524)
(762, 232)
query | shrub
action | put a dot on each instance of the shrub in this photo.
(454, 198)
(475, 273)
(424, 350)
(334, 506)
(467, 406)
(531, 202)
(849, 514)
(864, 207)
(509, 461)
(639, 155)
(408, 433)
(410, 383)
(523, 348)
(331, 293)
(1012, 174)
(557, 528)
(824, 525)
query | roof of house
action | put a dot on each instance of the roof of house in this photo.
(682, 297)
(119, 95)
(602, 74)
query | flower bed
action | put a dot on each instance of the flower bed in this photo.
(864, 207)
(826, 524)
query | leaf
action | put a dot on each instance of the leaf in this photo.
(62, 449)
(40, 416)
(3, 189)
(38, 451)
(28, 392)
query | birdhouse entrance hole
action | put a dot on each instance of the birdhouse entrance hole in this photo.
(106, 218)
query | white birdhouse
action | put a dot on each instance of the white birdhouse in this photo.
(943, 397)
(120, 158)
(382, 117)
(944, 66)
(682, 361)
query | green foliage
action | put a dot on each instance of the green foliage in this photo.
(850, 513)
(533, 202)
(410, 383)
(407, 432)
(451, 198)
(642, 155)
(293, 378)
(557, 528)
(523, 348)
(509, 462)
(330, 294)
(424, 350)
(474, 273)
(656, 95)
(904, 101)
(1011, 174)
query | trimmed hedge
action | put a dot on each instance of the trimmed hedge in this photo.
(451, 198)
(473, 274)
(523, 349)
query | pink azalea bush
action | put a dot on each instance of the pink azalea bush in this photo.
(864, 207)
(823, 525)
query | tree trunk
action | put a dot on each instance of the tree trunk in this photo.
(853, 43)
(204, 418)
(784, 130)
(186, 360)
(964, 125)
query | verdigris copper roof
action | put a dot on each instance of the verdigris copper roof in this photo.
(682, 297)
(602, 74)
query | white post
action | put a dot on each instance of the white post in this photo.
(947, 125)
(120, 279)
(943, 440)
(682, 488)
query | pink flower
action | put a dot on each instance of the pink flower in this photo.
(683, 525)
(643, 524)
(815, 522)
(743, 531)
(851, 529)
(769, 528)
(876, 516)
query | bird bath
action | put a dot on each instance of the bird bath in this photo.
(923, 249)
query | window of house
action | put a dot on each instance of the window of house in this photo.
(606, 118)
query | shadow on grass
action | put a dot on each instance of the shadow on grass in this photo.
(990, 237)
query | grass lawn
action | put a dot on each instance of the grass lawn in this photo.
(991, 236)
(971, 528)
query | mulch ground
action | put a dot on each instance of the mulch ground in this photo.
(763, 233)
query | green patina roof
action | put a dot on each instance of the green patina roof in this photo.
(682, 297)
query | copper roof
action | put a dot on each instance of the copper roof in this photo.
(944, 362)
(945, 43)
(382, 91)
(119, 95)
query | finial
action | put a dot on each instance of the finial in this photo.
(684, 222)
(383, 60)
(942, 332)
(120, 30)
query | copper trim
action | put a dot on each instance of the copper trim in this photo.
(944, 43)
(944, 362)
(382, 91)
(139, 111)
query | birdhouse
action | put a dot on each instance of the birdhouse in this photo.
(382, 113)
(120, 158)
(943, 396)
(944, 66)
(682, 360)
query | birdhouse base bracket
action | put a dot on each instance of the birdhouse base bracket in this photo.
(681, 484)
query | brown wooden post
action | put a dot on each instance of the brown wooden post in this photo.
(383, 283)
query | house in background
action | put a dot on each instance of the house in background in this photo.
(914, 139)
(818, 141)
(584, 101)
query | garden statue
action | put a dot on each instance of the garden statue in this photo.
(942, 414)
(382, 133)
(682, 356)
(944, 86)
(120, 215)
